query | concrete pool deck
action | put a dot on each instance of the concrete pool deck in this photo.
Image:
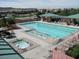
(40, 52)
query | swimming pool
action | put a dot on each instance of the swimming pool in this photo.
(50, 30)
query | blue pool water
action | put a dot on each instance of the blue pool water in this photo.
(52, 30)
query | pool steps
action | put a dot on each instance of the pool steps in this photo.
(38, 34)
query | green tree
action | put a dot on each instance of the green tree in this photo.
(7, 21)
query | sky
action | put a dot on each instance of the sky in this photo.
(40, 3)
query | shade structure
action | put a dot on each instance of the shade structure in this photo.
(74, 16)
(7, 51)
(48, 15)
(52, 15)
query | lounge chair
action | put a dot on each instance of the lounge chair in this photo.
(8, 35)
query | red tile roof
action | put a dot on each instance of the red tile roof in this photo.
(60, 55)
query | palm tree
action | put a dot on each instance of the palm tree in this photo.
(10, 22)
